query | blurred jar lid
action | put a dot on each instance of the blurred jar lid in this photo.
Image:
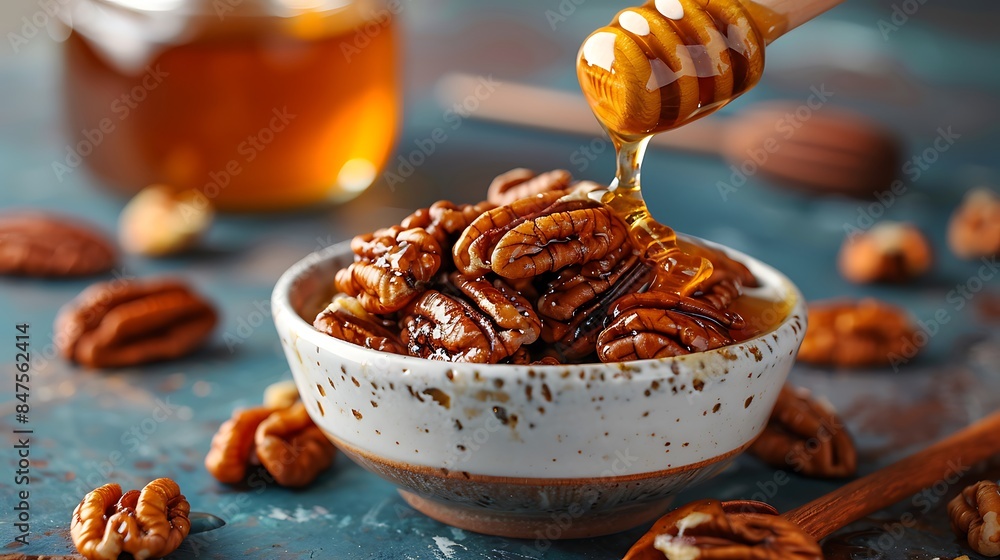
(130, 33)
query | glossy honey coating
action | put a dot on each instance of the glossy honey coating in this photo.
(668, 62)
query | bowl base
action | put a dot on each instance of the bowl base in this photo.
(554, 526)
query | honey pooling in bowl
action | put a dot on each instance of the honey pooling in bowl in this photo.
(657, 67)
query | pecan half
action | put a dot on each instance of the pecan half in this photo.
(48, 245)
(233, 445)
(445, 220)
(974, 229)
(470, 320)
(147, 524)
(658, 325)
(391, 267)
(712, 530)
(347, 320)
(281, 394)
(857, 334)
(537, 235)
(975, 515)
(889, 252)
(806, 435)
(728, 278)
(522, 183)
(129, 322)
(292, 449)
(161, 221)
(575, 306)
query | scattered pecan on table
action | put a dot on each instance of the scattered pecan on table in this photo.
(283, 440)
(130, 322)
(974, 229)
(712, 530)
(975, 515)
(293, 449)
(162, 220)
(48, 245)
(859, 333)
(805, 435)
(233, 445)
(147, 524)
(889, 252)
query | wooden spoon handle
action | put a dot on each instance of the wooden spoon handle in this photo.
(793, 13)
(559, 111)
(946, 460)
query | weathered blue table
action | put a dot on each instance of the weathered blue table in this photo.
(918, 70)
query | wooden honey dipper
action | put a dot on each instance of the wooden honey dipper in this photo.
(665, 63)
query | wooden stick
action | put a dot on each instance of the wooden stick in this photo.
(560, 111)
(945, 460)
(795, 12)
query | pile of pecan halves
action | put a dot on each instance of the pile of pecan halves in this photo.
(540, 272)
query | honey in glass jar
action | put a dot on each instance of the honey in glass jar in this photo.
(261, 104)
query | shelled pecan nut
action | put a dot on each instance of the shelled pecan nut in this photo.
(975, 515)
(888, 252)
(233, 445)
(130, 322)
(712, 530)
(575, 306)
(147, 524)
(522, 183)
(806, 435)
(470, 320)
(860, 333)
(657, 325)
(974, 229)
(293, 449)
(445, 220)
(728, 278)
(537, 235)
(347, 320)
(47, 245)
(392, 266)
(281, 394)
(162, 220)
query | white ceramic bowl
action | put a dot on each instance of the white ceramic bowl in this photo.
(526, 451)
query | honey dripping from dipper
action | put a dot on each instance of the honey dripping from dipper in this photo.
(658, 67)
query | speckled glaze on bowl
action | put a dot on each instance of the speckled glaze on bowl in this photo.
(539, 452)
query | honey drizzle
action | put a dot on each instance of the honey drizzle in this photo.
(658, 67)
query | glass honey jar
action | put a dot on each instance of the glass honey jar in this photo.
(262, 105)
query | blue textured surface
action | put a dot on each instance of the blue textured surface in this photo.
(94, 426)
